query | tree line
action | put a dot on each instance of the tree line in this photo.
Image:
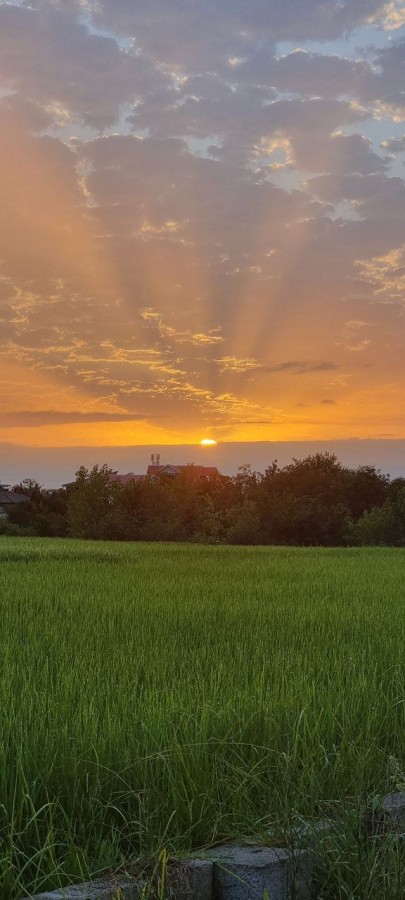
(313, 501)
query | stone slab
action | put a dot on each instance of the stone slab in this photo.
(393, 807)
(248, 872)
(100, 889)
(192, 877)
(199, 875)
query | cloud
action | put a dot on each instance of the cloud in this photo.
(210, 338)
(394, 145)
(352, 336)
(387, 88)
(33, 419)
(312, 74)
(386, 274)
(54, 60)
(238, 366)
(374, 195)
(393, 15)
(303, 367)
(223, 210)
(229, 27)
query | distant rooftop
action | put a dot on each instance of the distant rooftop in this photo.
(153, 471)
(172, 470)
(8, 497)
(115, 478)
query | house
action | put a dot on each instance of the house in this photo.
(170, 471)
(154, 472)
(113, 478)
(8, 499)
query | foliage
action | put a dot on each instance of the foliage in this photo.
(384, 525)
(315, 501)
(91, 505)
(45, 514)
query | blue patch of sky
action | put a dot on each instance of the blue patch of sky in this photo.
(345, 211)
(76, 130)
(379, 130)
(125, 43)
(202, 146)
(359, 44)
(289, 179)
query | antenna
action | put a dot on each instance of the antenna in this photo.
(155, 459)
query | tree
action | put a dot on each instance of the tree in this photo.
(365, 488)
(304, 503)
(384, 525)
(45, 512)
(313, 501)
(244, 527)
(91, 503)
(153, 515)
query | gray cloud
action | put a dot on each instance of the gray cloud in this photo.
(394, 145)
(389, 84)
(31, 419)
(228, 26)
(374, 195)
(303, 367)
(302, 72)
(54, 60)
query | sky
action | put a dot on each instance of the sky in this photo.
(202, 225)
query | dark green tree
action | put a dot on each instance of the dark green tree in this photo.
(45, 512)
(384, 525)
(90, 503)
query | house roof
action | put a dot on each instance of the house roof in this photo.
(125, 479)
(7, 498)
(197, 470)
(114, 478)
(154, 471)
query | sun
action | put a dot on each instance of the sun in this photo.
(208, 442)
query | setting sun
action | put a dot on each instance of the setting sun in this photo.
(208, 442)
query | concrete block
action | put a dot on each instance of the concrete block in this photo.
(100, 889)
(393, 807)
(190, 879)
(247, 872)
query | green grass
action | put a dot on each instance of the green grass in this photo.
(171, 695)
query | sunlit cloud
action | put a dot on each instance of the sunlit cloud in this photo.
(393, 15)
(386, 274)
(394, 145)
(353, 336)
(232, 364)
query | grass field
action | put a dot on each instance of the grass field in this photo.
(171, 695)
